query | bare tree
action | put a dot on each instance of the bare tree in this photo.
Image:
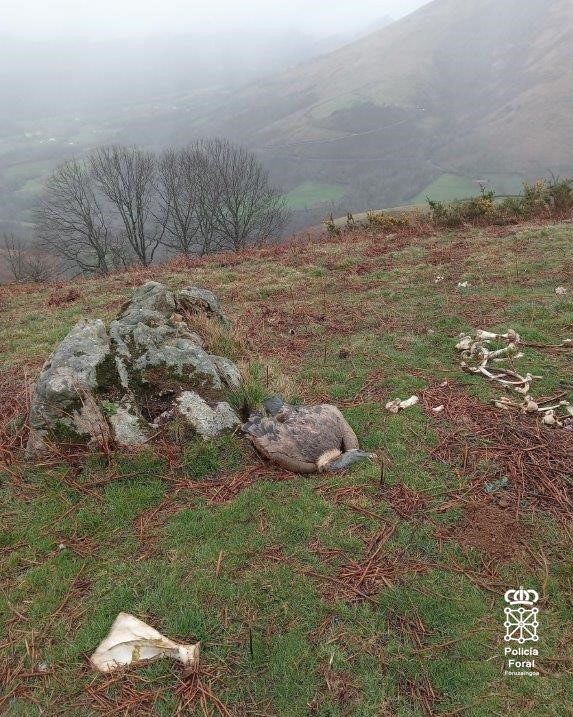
(126, 177)
(178, 190)
(72, 223)
(248, 209)
(26, 262)
(208, 198)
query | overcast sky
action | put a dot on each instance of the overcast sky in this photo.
(113, 18)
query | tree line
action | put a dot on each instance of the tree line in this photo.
(120, 205)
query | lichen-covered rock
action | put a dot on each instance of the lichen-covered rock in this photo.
(66, 382)
(228, 372)
(127, 427)
(197, 300)
(206, 421)
(129, 383)
(146, 337)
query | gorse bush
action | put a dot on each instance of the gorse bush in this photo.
(331, 227)
(454, 214)
(387, 222)
(550, 196)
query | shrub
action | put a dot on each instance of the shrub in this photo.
(331, 227)
(535, 198)
(544, 198)
(387, 222)
(560, 192)
(454, 214)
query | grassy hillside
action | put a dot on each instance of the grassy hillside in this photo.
(322, 595)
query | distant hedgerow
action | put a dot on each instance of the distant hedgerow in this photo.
(545, 198)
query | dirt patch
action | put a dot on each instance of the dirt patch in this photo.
(493, 531)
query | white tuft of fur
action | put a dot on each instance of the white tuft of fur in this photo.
(326, 458)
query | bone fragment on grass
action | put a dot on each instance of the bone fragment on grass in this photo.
(131, 641)
(398, 405)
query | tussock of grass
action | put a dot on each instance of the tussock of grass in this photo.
(253, 390)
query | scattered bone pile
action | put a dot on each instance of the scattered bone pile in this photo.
(479, 359)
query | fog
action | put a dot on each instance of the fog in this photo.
(76, 75)
(129, 18)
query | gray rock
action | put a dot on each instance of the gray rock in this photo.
(145, 337)
(228, 372)
(203, 419)
(94, 385)
(127, 427)
(197, 300)
(67, 381)
(152, 296)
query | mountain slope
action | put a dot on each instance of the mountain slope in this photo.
(483, 84)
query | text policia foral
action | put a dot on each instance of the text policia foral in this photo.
(521, 652)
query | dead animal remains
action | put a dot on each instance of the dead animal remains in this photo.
(304, 439)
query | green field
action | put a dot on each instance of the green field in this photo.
(448, 187)
(312, 194)
(364, 594)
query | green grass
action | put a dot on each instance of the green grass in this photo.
(448, 187)
(312, 194)
(207, 543)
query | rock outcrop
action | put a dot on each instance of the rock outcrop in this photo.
(148, 369)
